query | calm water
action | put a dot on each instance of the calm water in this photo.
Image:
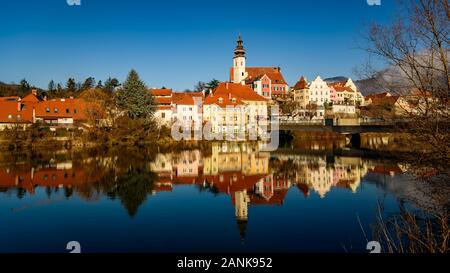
(227, 198)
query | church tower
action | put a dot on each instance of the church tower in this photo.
(239, 62)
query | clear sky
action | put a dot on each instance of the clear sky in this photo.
(177, 43)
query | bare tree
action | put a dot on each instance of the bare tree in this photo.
(416, 50)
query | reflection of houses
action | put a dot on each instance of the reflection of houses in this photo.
(50, 176)
(234, 169)
(235, 157)
(322, 176)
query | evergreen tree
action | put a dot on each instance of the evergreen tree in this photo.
(24, 86)
(51, 92)
(59, 88)
(51, 86)
(213, 84)
(89, 83)
(134, 97)
(71, 86)
(111, 84)
(99, 85)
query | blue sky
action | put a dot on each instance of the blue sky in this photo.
(177, 43)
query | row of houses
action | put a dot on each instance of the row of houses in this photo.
(319, 92)
(231, 108)
(239, 106)
(22, 112)
(242, 103)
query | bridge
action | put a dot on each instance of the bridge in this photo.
(346, 126)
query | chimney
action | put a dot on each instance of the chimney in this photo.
(34, 92)
(227, 85)
(45, 98)
(229, 96)
(19, 106)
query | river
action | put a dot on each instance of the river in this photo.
(227, 198)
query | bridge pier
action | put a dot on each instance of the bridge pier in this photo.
(354, 140)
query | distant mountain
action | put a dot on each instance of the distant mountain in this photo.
(336, 79)
(365, 86)
(8, 89)
(369, 86)
(12, 89)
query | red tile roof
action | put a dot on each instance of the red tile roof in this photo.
(301, 84)
(228, 91)
(163, 100)
(273, 73)
(277, 198)
(31, 97)
(340, 88)
(386, 169)
(382, 98)
(186, 98)
(19, 112)
(161, 92)
(230, 182)
(68, 108)
(222, 101)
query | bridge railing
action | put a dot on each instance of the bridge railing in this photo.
(301, 122)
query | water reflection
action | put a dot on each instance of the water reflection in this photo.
(265, 191)
(248, 176)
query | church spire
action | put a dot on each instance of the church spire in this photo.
(239, 51)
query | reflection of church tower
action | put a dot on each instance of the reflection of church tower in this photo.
(242, 225)
(239, 62)
(241, 201)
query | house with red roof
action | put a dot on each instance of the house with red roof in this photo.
(60, 112)
(188, 110)
(347, 93)
(15, 113)
(267, 82)
(234, 110)
(301, 92)
(30, 109)
(164, 103)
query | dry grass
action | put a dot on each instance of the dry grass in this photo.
(410, 233)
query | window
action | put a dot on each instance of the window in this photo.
(75, 111)
(10, 116)
(220, 100)
(55, 110)
(163, 115)
(67, 111)
(19, 116)
(47, 110)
